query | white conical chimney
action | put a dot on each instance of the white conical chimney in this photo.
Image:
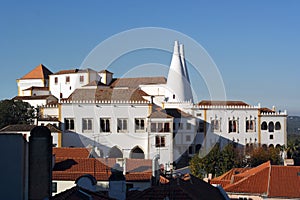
(187, 83)
(178, 86)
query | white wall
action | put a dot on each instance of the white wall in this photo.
(27, 83)
(67, 88)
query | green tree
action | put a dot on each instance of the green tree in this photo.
(15, 112)
(231, 157)
(201, 165)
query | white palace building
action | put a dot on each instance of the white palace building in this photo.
(144, 116)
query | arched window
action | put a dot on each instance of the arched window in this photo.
(277, 126)
(137, 153)
(115, 152)
(271, 127)
(264, 126)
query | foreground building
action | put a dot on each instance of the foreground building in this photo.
(263, 182)
(147, 116)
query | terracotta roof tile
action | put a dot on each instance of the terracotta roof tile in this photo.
(135, 82)
(222, 103)
(40, 72)
(285, 181)
(67, 152)
(264, 180)
(169, 113)
(22, 98)
(108, 94)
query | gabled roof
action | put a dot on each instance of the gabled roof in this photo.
(264, 180)
(107, 94)
(40, 72)
(222, 103)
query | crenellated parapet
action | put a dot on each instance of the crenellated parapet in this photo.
(103, 102)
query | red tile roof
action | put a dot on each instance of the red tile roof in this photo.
(222, 103)
(72, 167)
(67, 152)
(264, 180)
(135, 82)
(40, 72)
(108, 94)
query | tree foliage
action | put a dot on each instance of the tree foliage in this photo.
(15, 112)
(219, 161)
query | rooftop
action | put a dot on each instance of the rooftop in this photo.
(264, 180)
(40, 72)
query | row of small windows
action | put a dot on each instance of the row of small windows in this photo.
(67, 79)
(233, 126)
(122, 125)
(270, 127)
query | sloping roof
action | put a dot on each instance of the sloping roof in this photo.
(108, 94)
(225, 179)
(188, 187)
(105, 71)
(38, 97)
(78, 193)
(96, 83)
(135, 82)
(266, 110)
(70, 168)
(40, 72)
(222, 103)
(73, 71)
(17, 127)
(169, 113)
(27, 128)
(264, 180)
(37, 88)
(68, 152)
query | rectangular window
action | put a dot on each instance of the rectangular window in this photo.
(271, 137)
(67, 79)
(104, 125)
(55, 80)
(81, 79)
(160, 127)
(250, 125)
(139, 125)
(188, 126)
(122, 125)
(160, 141)
(87, 125)
(215, 125)
(187, 138)
(200, 127)
(69, 124)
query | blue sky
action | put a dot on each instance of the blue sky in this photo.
(255, 44)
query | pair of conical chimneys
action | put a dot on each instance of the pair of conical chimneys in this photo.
(178, 83)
